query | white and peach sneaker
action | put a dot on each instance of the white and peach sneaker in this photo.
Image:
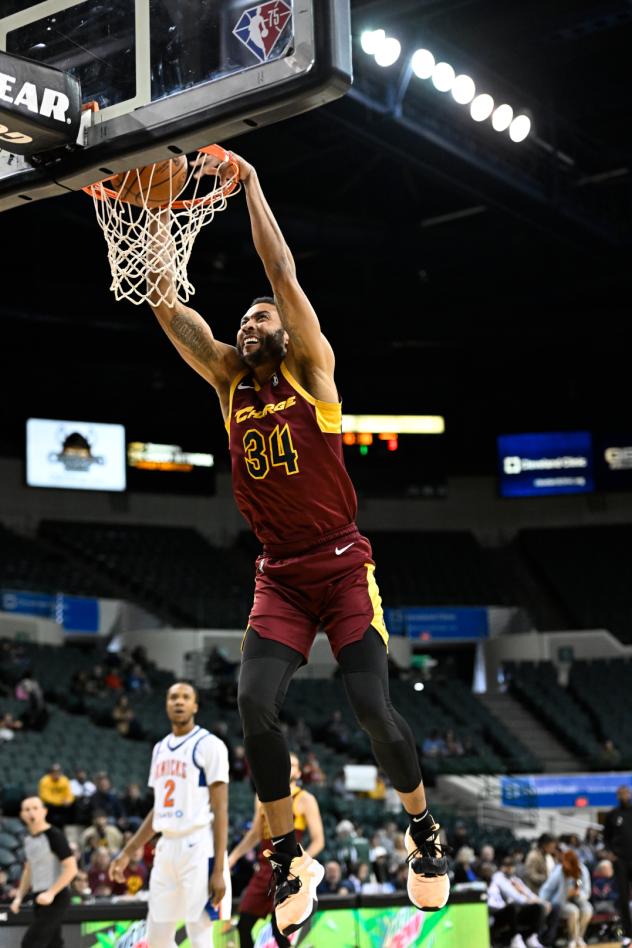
(428, 882)
(296, 881)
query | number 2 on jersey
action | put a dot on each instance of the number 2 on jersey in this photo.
(280, 452)
(170, 786)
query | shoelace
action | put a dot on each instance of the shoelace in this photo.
(283, 883)
(431, 848)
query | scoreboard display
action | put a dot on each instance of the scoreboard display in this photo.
(396, 455)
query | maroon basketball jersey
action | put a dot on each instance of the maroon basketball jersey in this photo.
(289, 476)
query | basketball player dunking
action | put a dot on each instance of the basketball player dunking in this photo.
(190, 880)
(256, 900)
(283, 415)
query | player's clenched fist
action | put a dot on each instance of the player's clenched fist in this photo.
(216, 888)
(117, 867)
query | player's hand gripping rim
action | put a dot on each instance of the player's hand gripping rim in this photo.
(209, 164)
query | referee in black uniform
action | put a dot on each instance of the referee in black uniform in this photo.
(617, 835)
(49, 869)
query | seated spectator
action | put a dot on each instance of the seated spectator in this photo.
(609, 756)
(604, 894)
(339, 786)
(463, 871)
(380, 881)
(54, 791)
(82, 789)
(459, 836)
(592, 844)
(359, 875)
(125, 721)
(135, 876)
(332, 882)
(136, 681)
(487, 856)
(101, 835)
(95, 684)
(454, 747)
(312, 772)
(513, 907)
(540, 862)
(239, 769)
(134, 806)
(35, 718)
(80, 890)
(7, 889)
(351, 848)
(335, 732)
(98, 878)
(301, 735)
(105, 799)
(568, 889)
(434, 745)
(8, 727)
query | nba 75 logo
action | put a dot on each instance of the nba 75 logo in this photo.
(260, 27)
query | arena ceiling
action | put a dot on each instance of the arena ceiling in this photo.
(453, 270)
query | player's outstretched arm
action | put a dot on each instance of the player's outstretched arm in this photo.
(191, 335)
(308, 344)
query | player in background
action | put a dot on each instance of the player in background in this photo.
(283, 415)
(190, 880)
(49, 869)
(256, 900)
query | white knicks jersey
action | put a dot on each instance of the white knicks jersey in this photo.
(182, 770)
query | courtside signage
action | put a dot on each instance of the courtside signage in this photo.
(78, 455)
(531, 465)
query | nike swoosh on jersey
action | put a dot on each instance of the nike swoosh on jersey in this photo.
(343, 549)
(241, 385)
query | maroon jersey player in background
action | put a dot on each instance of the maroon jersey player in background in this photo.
(283, 415)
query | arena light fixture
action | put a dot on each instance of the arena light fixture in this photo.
(422, 63)
(463, 89)
(443, 76)
(482, 107)
(388, 51)
(371, 40)
(520, 128)
(502, 118)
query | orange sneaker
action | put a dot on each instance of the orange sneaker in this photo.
(428, 882)
(296, 880)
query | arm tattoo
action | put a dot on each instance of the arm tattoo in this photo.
(191, 334)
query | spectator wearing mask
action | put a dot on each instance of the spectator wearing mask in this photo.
(617, 836)
(513, 905)
(568, 888)
(540, 862)
(54, 791)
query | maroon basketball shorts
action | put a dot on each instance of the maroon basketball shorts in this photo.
(257, 898)
(332, 584)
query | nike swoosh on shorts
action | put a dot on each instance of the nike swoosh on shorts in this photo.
(343, 549)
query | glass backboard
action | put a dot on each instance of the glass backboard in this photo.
(170, 76)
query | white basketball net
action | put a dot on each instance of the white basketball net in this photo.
(144, 241)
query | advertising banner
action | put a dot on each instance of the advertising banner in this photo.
(438, 622)
(576, 790)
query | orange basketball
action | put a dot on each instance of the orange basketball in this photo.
(154, 185)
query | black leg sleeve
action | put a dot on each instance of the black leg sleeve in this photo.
(365, 674)
(266, 670)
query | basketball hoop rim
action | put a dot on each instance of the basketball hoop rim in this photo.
(99, 190)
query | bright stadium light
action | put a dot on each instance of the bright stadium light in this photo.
(388, 51)
(443, 76)
(371, 40)
(520, 128)
(482, 107)
(423, 63)
(463, 90)
(502, 118)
